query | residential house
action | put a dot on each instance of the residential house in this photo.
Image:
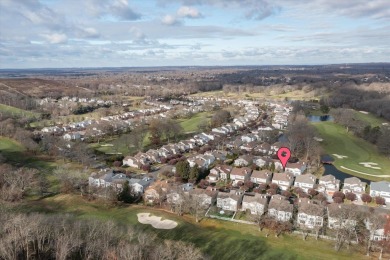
(101, 179)
(219, 172)
(328, 184)
(378, 224)
(257, 204)
(296, 168)
(135, 162)
(248, 146)
(305, 182)
(203, 161)
(153, 156)
(280, 208)
(354, 185)
(310, 215)
(139, 185)
(156, 192)
(244, 160)
(248, 138)
(229, 200)
(263, 176)
(264, 148)
(176, 195)
(240, 174)
(205, 198)
(382, 189)
(72, 136)
(219, 155)
(283, 180)
(262, 161)
(342, 215)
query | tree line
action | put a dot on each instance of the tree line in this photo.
(61, 237)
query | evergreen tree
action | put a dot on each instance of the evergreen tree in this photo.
(126, 195)
(272, 167)
(194, 173)
(183, 169)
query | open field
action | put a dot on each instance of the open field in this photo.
(191, 124)
(18, 112)
(17, 155)
(218, 239)
(370, 119)
(338, 141)
(296, 95)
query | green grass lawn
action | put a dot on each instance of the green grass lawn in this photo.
(17, 155)
(18, 112)
(217, 239)
(338, 141)
(370, 119)
(191, 124)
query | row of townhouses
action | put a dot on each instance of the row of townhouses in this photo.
(310, 214)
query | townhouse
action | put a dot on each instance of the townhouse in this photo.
(305, 182)
(263, 176)
(283, 180)
(257, 205)
(280, 208)
(229, 200)
(310, 215)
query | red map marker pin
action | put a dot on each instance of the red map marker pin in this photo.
(284, 154)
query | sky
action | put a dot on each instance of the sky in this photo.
(135, 33)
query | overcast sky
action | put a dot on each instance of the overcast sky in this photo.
(101, 33)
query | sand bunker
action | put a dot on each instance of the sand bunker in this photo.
(371, 165)
(318, 139)
(364, 112)
(155, 221)
(339, 156)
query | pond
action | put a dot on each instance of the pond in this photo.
(323, 118)
(331, 169)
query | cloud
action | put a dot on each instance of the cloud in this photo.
(252, 9)
(375, 9)
(170, 20)
(119, 9)
(56, 38)
(188, 12)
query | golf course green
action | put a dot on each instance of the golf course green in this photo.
(350, 152)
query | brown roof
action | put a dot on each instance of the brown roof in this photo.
(327, 178)
(283, 177)
(339, 210)
(306, 178)
(296, 165)
(310, 208)
(232, 194)
(263, 174)
(280, 203)
(353, 180)
(209, 193)
(262, 199)
(241, 171)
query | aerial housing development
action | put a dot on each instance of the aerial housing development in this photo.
(194, 130)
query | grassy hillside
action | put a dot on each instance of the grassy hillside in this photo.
(370, 118)
(16, 154)
(338, 141)
(218, 239)
(191, 124)
(18, 112)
